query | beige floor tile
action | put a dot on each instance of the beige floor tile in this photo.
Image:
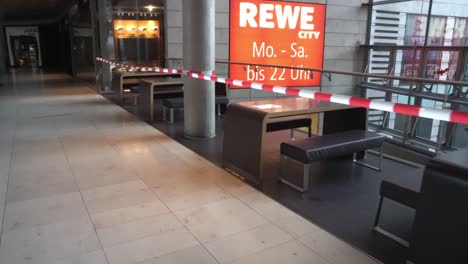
(94, 257)
(144, 227)
(38, 189)
(120, 201)
(156, 178)
(100, 157)
(246, 243)
(42, 167)
(166, 171)
(334, 250)
(140, 163)
(150, 247)
(220, 219)
(192, 159)
(50, 172)
(193, 255)
(43, 211)
(52, 241)
(184, 186)
(216, 211)
(90, 177)
(173, 145)
(291, 252)
(128, 214)
(195, 199)
(113, 190)
(296, 225)
(266, 206)
(3, 194)
(31, 147)
(137, 147)
(37, 159)
(234, 186)
(53, 173)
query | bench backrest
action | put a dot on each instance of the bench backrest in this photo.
(221, 89)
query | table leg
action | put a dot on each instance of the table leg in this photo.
(244, 129)
(145, 102)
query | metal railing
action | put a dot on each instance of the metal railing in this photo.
(425, 87)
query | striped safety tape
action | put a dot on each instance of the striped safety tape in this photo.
(454, 116)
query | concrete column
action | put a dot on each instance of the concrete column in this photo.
(199, 55)
(106, 43)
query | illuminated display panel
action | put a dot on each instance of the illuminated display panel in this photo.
(124, 29)
(279, 33)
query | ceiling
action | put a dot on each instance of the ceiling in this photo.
(22, 11)
(136, 4)
(33, 10)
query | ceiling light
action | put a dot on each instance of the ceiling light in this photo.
(150, 7)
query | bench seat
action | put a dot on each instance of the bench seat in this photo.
(290, 124)
(329, 146)
(399, 194)
(177, 103)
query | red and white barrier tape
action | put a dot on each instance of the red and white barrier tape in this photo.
(460, 117)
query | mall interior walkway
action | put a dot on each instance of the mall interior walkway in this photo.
(88, 182)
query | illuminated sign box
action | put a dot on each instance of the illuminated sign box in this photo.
(277, 33)
(124, 29)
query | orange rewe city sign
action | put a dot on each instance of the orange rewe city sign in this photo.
(279, 33)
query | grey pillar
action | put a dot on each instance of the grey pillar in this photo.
(106, 43)
(199, 55)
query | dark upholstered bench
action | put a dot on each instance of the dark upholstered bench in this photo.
(290, 124)
(400, 195)
(178, 103)
(166, 92)
(132, 90)
(329, 146)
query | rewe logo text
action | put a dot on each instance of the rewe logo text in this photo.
(272, 16)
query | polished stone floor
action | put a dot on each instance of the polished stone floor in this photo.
(84, 181)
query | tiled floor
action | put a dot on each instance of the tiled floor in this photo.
(90, 183)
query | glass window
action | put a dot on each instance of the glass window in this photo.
(138, 31)
(460, 136)
(82, 43)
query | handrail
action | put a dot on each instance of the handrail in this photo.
(372, 75)
(427, 95)
(384, 46)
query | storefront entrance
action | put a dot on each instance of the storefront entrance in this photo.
(25, 51)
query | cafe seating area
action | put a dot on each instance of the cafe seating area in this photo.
(342, 197)
(311, 156)
(252, 136)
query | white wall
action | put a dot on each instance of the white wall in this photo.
(345, 31)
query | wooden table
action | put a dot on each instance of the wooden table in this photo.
(245, 128)
(150, 88)
(120, 79)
